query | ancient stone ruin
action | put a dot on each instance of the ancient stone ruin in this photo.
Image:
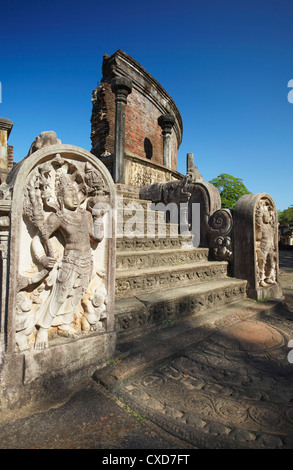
(98, 247)
(58, 258)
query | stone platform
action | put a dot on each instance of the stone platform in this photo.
(198, 366)
(222, 383)
(161, 277)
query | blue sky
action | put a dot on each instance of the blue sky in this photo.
(226, 64)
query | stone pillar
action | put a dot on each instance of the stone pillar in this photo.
(189, 162)
(5, 129)
(121, 86)
(166, 122)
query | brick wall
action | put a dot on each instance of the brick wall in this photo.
(103, 121)
(143, 135)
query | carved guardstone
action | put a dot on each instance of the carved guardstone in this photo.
(256, 256)
(59, 313)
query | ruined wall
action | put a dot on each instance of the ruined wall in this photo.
(57, 253)
(143, 135)
(146, 103)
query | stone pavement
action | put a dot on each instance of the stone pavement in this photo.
(222, 381)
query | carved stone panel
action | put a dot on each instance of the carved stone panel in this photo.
(256, 256)
(62, 249)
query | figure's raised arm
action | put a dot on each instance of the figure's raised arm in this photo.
(96, 225)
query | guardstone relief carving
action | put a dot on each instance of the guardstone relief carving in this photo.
(256, 256)
(266, 243)
(61, 282)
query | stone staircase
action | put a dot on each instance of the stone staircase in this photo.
(160, 280)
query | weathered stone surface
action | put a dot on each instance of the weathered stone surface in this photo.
(139, 172)
(6, 151)
(166, 122)
(131, 282)
(144, 243)
(143, 134)
(122, 87)
(221, 381)
(256, 245)
(45, 139)
(156, 309)
(61, 259)
(162, 278)
(215, 224)
(165, 257)
(69, 358)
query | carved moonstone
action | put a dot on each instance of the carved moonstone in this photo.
(45, 139)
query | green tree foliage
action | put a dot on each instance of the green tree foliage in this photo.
(286, 216)
(230, 189)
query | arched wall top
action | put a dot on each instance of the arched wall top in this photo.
(246, 205)
(18, 180)
(22, 169)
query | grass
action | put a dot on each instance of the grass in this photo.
(133, 413)
(117, 358)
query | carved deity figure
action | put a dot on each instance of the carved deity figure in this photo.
(53, 203)
(265, 243)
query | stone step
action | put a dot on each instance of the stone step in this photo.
(155, 243)
(132, 204)
(127, 191)
(137, 315)
(131, 228)
(142, 210)
(156, 258)
(144, 216)
(133, 282)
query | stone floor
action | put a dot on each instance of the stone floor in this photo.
(232, 389)
(222, 383)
